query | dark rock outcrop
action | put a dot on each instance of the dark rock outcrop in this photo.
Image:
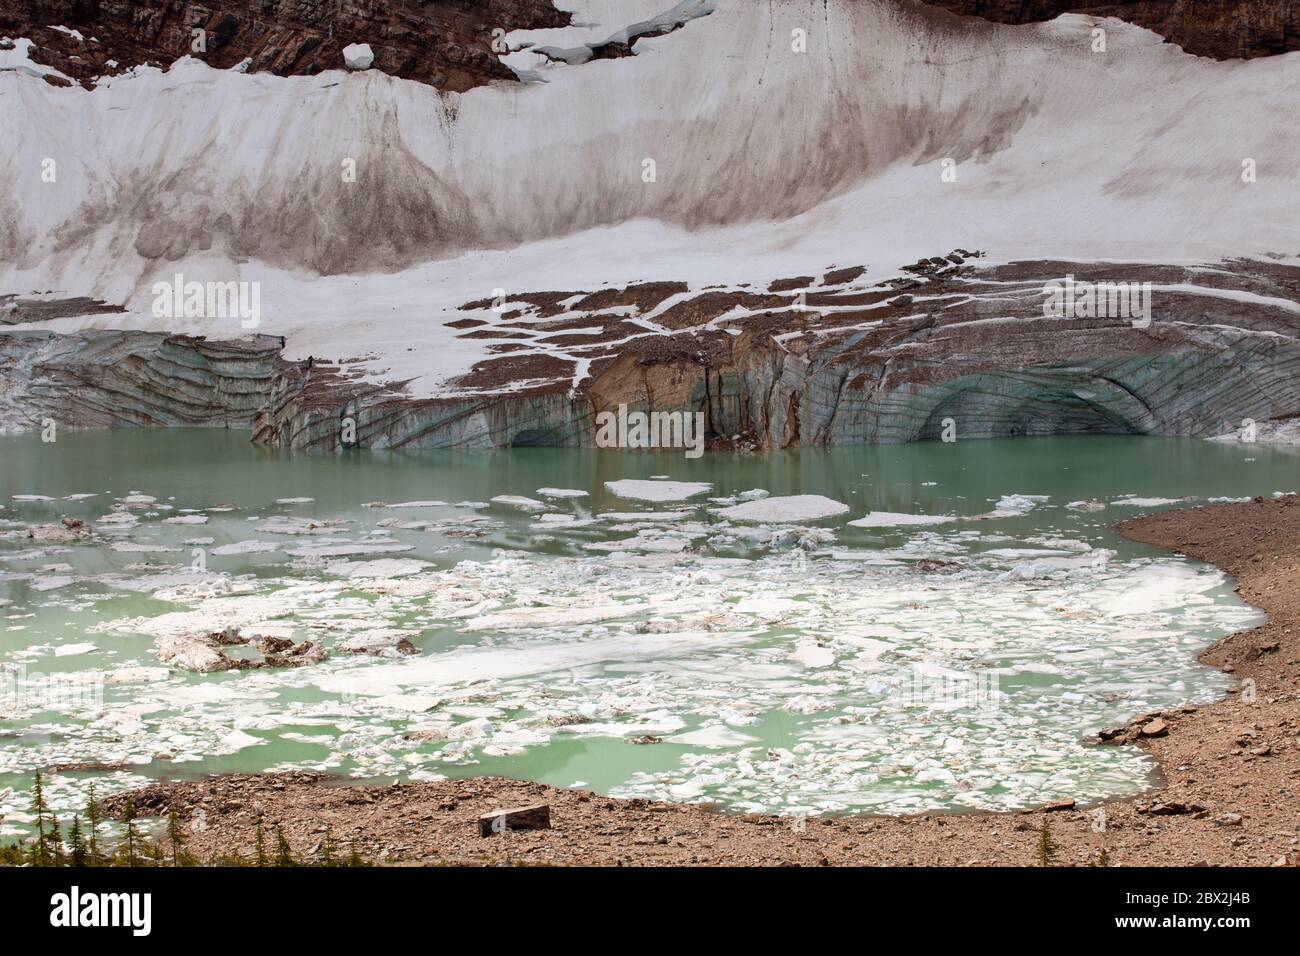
(1222, 29)
(446, 43)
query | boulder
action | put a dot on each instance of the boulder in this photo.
(536, 816)
(1156, 728)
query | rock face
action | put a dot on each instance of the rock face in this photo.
(1223, 29)
(446, 43)
(949, 347)
(97, 379)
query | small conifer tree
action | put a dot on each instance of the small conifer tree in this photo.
(283, 855)
(259, 847)
(176, 837)
(93, 819)
(40, 853)
(325, 855)
(76, 843)
(1046, 846)
(55, 851)
(132, 835)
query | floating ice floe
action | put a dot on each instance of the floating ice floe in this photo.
(875, 558)
(1018, 553)
(137, 675)
(785, 509)
(561, 522)
(380, 642)
(1132, 501)
(294, 501)
(186, 519)
(193, 652)
(410, 702)
(663, 542)
(562, 493)
(51, 582)
(651, 517)
(519, 503)
(717, 735)
(246, 547)
(380, 568)
(766, 606)
(1012, 506)
(238, 740)
(553, 616)
(655, 490)
(75, 650)
(810, 652)
(807, 539)
(117, 520)
(890, 519)
(409, 504)
(287, 524)
(347, 550)
(51, 533)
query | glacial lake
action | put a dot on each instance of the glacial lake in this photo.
(671, 649)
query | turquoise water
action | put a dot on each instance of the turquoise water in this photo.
(795, 666)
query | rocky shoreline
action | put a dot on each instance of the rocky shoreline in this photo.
(1227, 797)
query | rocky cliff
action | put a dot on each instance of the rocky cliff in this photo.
(832, 360)
(446, 43)
(112, 379)
(1223, 29)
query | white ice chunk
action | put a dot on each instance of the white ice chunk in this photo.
(519, 502)
(891, 519)
(657, 491)
(786, 509)
(561, 493)
(358, 56)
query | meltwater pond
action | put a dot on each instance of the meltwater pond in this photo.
(942, 639)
